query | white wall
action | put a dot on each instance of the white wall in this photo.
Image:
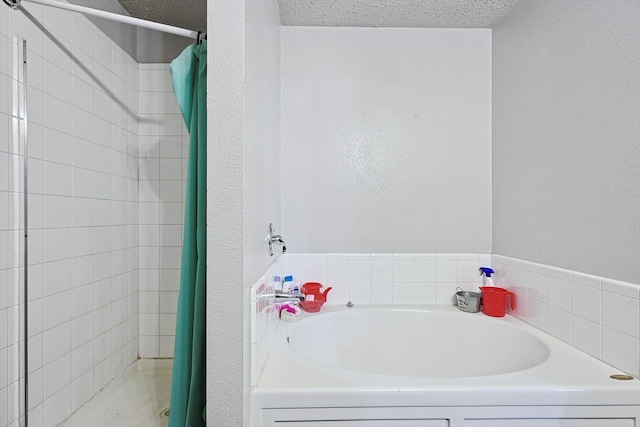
(566, 114)
(386, 139)
(261, 135)
(243, 189)
(225, 329)
(83, 146)
(261, 182)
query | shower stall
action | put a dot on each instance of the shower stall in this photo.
(92, 165)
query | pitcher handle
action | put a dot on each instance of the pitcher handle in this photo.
(511, 300)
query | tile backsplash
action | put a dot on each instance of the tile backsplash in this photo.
(389, 278)
(597, 315)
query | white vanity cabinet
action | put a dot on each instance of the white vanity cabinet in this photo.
(512, 416)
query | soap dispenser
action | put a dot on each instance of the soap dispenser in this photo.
(486, 272)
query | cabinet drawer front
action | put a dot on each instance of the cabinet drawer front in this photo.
(569, 422)
(365, 423)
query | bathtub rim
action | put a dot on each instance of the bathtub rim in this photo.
(289, 380)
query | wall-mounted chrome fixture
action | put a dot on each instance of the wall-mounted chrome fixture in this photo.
(275, 239)
(288, 296)
(13, 4)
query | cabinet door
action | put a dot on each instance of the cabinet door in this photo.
(365, 423)
(547, 422)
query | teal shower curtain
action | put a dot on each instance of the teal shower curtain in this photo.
(188, 398)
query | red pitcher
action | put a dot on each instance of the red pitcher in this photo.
(494, 300)
(313, 288)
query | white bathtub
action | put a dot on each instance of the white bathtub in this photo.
(416, 343)
(433, 366)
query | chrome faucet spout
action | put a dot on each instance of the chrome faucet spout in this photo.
(282, 296)
(278, 240)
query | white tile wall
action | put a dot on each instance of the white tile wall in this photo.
(164, 143)
(83, 127)
(11, 261)
(597, 315)
(393, 278)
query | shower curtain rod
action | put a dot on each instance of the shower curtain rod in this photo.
(113, 17)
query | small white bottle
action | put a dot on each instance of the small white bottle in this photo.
(290, 285)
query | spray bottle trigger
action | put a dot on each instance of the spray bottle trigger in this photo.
(487, 271)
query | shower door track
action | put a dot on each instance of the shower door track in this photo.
(25, 219)
(26, 239)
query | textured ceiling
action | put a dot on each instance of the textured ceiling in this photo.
(394, 13)
(192, 14)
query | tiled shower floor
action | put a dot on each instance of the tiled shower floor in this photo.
(136, 398)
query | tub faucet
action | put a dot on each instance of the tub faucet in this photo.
(275, 239)
(282, 296)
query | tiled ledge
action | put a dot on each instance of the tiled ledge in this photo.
(597, 315)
